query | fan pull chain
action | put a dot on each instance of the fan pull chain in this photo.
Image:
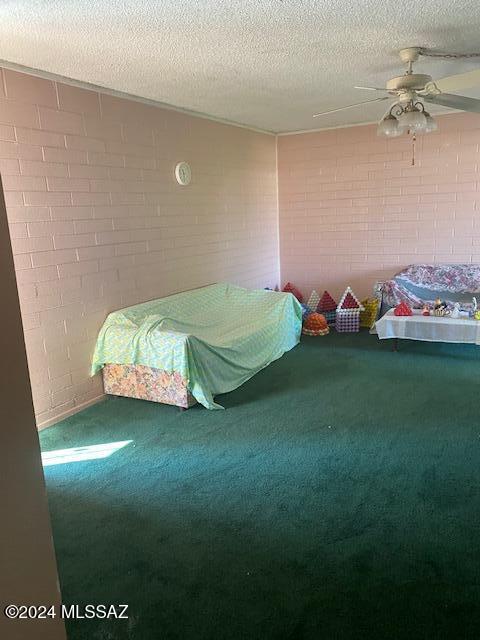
(413, 149)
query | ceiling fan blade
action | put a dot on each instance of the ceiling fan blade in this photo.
(371, 88)
(349, 106)
(455, 102)
(455, 83)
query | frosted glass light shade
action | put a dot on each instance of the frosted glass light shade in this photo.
(389, 127)
(431, 124)
(413, 120)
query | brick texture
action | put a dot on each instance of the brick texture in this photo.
(98, 221)
(353, 209)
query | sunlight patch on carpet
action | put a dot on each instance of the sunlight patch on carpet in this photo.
(80, 454)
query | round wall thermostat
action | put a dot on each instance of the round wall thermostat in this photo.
(183, 173)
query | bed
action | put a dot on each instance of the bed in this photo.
(420, 284)
(192, 346)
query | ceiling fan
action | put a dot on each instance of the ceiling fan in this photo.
(411, 90)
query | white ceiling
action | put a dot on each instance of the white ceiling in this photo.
(268, 64)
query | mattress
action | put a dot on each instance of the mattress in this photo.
(215, 338)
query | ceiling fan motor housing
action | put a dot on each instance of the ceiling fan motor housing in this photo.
(409, 54)
(408, 82)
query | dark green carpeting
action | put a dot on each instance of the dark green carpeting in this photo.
(337, 497)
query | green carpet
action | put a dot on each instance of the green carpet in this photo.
(337, 497)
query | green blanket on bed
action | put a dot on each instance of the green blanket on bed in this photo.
(216, 337)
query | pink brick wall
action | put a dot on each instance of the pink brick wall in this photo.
(98, 222)
(353, 209)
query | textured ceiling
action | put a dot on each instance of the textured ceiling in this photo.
(269, 64)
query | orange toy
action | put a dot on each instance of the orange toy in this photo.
(315, 325)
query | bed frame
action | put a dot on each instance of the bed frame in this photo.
(147, 383)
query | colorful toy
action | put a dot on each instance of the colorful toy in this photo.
(440, 308)
(426, 310)
(369, 315)
(328, 307)
(315, 325)
(477, 315)
(473, 310)
(348, 313)
(305, 310)
(455, 313)
(402, 309)
(290, 288)
(313, 300)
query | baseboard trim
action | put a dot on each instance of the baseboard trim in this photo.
(70, 412)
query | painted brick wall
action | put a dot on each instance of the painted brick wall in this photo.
(353, 209)
(98, 222)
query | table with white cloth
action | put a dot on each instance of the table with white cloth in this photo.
(428, 328)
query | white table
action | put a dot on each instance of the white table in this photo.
(428, 328)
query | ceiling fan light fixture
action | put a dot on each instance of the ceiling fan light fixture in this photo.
(413, 119)
(411, 90)
(431, 124)
(389, 127)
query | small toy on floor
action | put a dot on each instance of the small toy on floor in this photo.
(313, 300)
(290, 288)
(328, 307)
(348, 313)
(370, 313)
(315, 325)
(305, 310)
(426, 310)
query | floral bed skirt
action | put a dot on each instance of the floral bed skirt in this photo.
(146, 383)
